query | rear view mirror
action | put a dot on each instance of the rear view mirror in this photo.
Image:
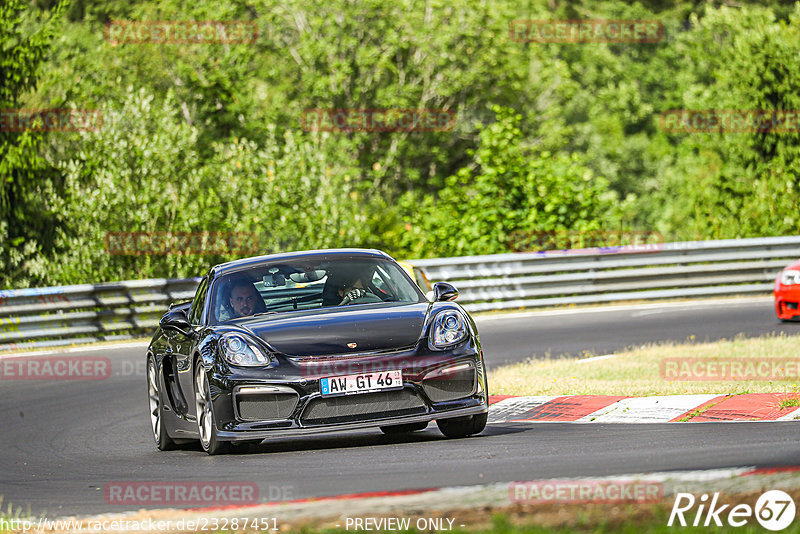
(444, 292)
(308, 276)
(176, 320)
(274, 280)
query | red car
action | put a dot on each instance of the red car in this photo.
(787, 292)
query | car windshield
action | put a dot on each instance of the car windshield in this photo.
(291, 285)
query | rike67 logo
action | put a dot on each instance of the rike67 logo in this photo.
(774, 510)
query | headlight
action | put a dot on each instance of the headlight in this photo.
(238, 351)
(790, 277)
(448, 329)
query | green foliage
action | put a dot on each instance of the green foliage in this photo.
(737, 184)
(142, 172)
(26, 180)
(548, 137)
(507, 190)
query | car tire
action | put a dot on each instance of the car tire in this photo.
(162, 439)
(404, 429)
(204, 409)
(461, 427)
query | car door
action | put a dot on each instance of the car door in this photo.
(183, 348)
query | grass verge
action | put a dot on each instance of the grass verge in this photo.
(10, 515)
(599, 518)
(638, 372)
(543, 518)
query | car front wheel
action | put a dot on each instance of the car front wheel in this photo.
(206, 425)
(461, 427)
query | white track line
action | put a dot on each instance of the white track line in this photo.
(596, 358)
(88, 347)
(794, 415)
(656, 409)
(510, 409)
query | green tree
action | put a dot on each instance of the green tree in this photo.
(509, 189)
(27, 181)
(721, 185)
(143, 172)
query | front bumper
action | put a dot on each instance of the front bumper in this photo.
(426, 394)
(787, 301)
(247, 435)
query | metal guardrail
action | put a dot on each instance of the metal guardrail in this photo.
(666, 270)
(42, 317)
(66, 315)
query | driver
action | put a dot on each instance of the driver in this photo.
(354, 286)
(351, 290)
(243, 298)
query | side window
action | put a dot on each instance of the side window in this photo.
(199, 299)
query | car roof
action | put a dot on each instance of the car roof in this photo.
(340, 253)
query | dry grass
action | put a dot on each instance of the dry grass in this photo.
(637, 372)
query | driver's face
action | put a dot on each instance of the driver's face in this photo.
(243, 300)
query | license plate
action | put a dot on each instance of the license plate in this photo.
(363, 383)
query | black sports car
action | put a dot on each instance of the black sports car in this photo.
(308, 342)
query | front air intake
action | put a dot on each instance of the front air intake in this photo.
(363, 407)
(441, 387)
(265, 404)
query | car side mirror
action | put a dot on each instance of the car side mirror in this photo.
(444, 292)
(176, 320)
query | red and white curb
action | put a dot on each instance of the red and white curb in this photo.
(656, 409)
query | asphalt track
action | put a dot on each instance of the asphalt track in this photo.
(63, 441)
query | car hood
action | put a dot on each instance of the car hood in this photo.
(372, 327)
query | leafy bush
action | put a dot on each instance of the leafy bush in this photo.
(142, 173)
(548, 137)
(507, 189)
